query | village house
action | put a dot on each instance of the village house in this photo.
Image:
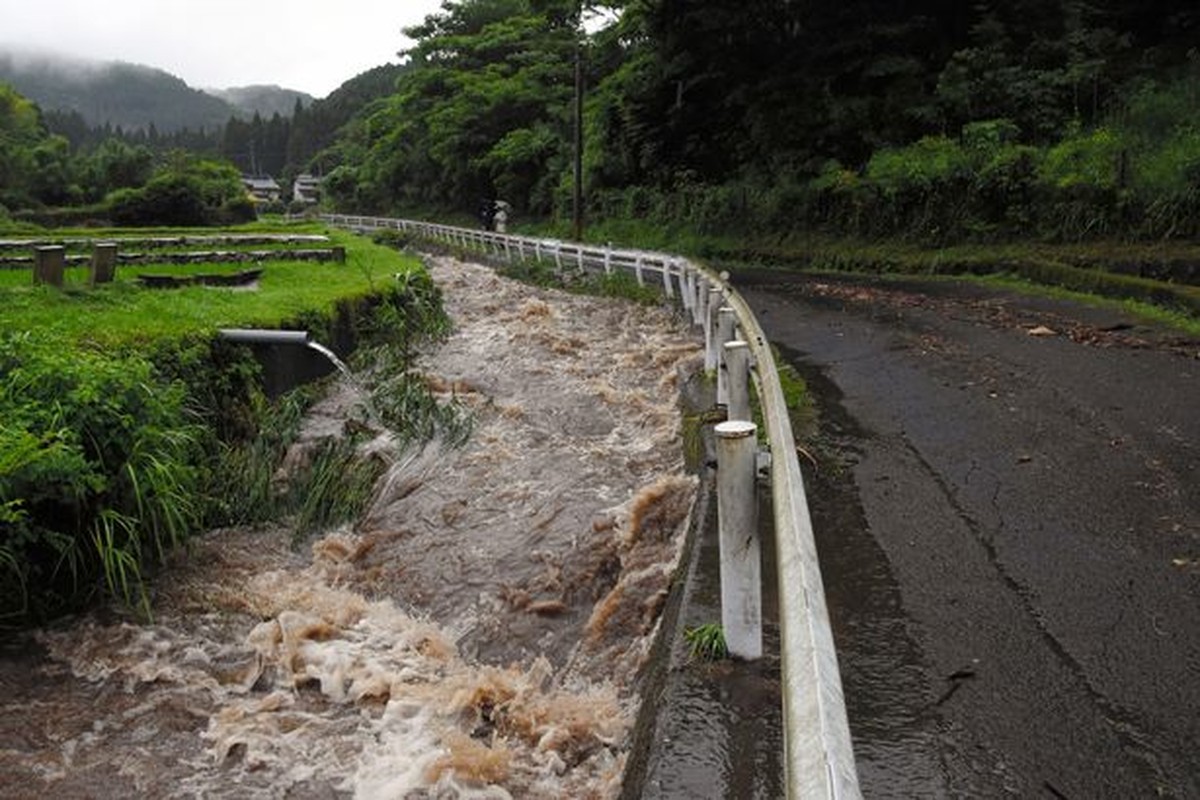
(306, 189)
(263, 189)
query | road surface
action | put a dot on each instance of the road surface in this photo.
(1006, 493)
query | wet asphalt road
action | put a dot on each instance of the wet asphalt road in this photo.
(1007, 504)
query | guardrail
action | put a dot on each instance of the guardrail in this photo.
(819, 758)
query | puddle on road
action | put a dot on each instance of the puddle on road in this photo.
(477, 635)
(893, 723)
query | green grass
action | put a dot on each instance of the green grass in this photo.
(706, 642)
(125, 312)
(1166, 317)
(126, 425)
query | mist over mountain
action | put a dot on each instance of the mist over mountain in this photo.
(265, 100)
(133, 96)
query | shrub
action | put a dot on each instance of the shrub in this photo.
(932, 162)
(187, 192)
(1084, 159)
(921, 188)
(100, 474)
(171, 200)
(236, 210)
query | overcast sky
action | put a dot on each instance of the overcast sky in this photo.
(297, 44)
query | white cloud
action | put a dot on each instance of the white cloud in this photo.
(221, 43)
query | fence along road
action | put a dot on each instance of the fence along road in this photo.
(819, 762)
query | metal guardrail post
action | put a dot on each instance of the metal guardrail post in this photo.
(666, 278)
(715, 299)
(737, 371)
(726, 322)
(696, 292)
(737, 530)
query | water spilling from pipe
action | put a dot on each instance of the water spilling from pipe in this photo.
(331, 357)
(361, 391)
(297, 338)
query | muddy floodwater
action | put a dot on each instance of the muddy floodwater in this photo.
(476, 634)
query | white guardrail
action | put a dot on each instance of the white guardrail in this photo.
(819, 760)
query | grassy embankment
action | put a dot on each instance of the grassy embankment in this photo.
(126, 424)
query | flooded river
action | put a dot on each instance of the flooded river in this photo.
(477, 634)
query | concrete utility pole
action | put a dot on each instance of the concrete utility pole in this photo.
(577, 189)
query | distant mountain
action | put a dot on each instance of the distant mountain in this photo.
(265, 101)
(133, 96)
(316, 128)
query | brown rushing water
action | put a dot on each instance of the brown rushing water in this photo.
(477, 634)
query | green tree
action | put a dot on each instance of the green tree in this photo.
(482, 108)
(52, 175)
(20, 132)
(188, 190)
(116, 164)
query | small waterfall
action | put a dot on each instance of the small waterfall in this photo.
(364, 393)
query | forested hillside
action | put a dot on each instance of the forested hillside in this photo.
(55, 167)
(128, 96)
(927, 120)
(263, 100)
(939, 119)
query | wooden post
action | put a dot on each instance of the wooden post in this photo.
(48, 265)
(339, 254)
(737, 371)
(103, 267)
(737, 526)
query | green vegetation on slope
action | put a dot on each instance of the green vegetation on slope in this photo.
(931, 122)
(126, 425)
